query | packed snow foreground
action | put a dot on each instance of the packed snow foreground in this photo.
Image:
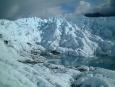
(52, 52)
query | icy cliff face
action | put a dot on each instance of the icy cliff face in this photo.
(56, 38)
(54, 34)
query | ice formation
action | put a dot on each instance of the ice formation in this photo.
(53, 52)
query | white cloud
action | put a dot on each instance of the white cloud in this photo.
(83, 7)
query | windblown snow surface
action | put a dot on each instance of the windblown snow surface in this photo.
(53, 52)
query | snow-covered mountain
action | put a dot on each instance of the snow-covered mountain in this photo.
(57, 34)
(87, 38)
(29, 46)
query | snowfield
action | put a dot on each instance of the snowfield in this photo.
(53, 52)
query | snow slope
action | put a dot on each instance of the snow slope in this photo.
(17, 74)
(29, 46)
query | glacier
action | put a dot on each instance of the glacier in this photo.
(56, 52)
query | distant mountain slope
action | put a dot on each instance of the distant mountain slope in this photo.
(55, 34)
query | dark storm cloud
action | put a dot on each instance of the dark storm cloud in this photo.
(105, 10)
(112, 2)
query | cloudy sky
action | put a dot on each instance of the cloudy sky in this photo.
(13, 9)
